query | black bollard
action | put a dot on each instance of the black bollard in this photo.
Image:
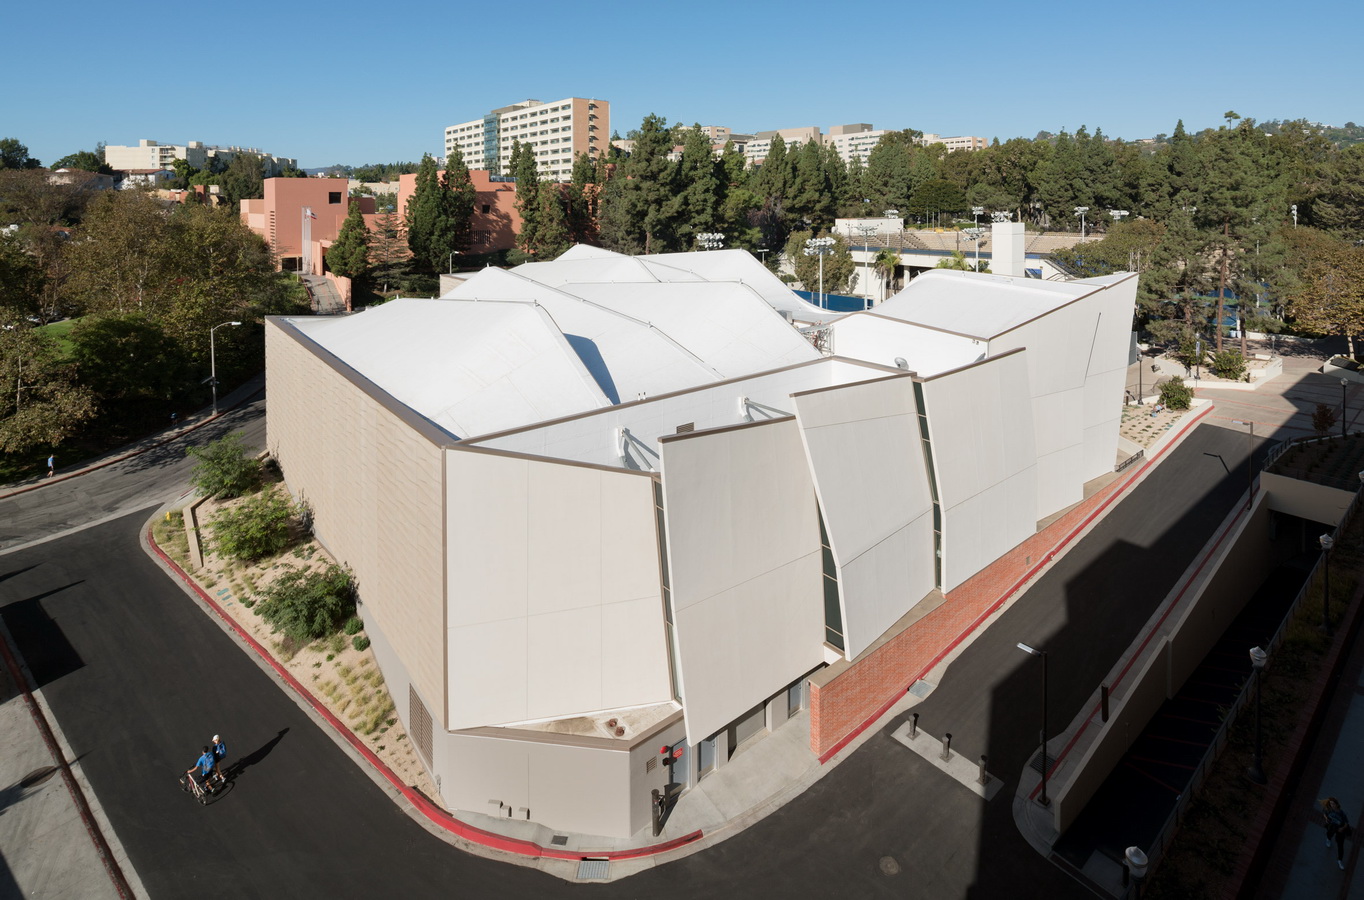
(984, 776)
(913, 726)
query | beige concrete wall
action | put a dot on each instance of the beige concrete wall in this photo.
(589, 786)
(1305, 499)
(374, 485)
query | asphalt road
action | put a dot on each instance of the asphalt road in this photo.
(139, 677)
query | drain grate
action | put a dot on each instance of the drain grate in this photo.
(1037, 763)
(594, 869)
(921, 688)
(559, 840)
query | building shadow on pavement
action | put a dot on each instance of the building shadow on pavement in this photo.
(40, 639)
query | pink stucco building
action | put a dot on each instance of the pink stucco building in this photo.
(496, 220)
(279, 217)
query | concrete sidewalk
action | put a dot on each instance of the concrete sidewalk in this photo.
(1302, 866)
(47, 842)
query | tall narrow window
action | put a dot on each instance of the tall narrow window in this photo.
(927, 445)
(833, 613)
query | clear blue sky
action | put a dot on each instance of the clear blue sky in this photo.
(377, 82)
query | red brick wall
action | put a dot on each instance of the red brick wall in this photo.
(861, 693)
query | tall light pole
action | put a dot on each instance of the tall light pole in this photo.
(976, 213)
(213, 362)
(821, 247)
(1294, 210)
(1327, 542)
(710, 240)
(1250, 459)
(1042, 653)
(1080, 211)
(1256, 772)
(1344, 383)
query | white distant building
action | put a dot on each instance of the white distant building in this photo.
(556, 132)
(854, 141)
(151, 156)
(605, 506)
(756, 150)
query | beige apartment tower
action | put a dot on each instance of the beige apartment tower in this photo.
(556, 131)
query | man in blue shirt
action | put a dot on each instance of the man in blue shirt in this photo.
(202, 769)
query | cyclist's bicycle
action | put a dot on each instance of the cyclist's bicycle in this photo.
(190, 785)
(201, 792)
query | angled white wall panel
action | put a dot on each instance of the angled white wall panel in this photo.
(865, 452)
(743, 547)
(984, 452)
(555, 604)
(1107, 375)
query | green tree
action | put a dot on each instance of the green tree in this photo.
(584, 194)
(527, 175)
(1341, 205)
(887, 264)
(838, 265)
(634, 202)
(1330, 299)
(86, 161)
(937, 196)
(552, 234)
(457, 202)
(888, 173)
(21, 282)
(243, 179)
(127, 356)
(41, 401)
(119, 264)
(348, 256)
(254, 529)
(422, 218)
(956, 261)
(14, 155)
(306, 605)
(226, 468)
(694, 207)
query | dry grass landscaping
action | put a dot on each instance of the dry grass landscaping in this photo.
(338, 669)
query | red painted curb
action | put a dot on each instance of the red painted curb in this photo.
(432, 812)
(1027, 576)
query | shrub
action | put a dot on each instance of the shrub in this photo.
(1175, 394)
(1323, 418)
(225, 468)
(259, 527)
(360, 642)
(1191, 351)
(1229, 364)
(307, 605)
(354, 625)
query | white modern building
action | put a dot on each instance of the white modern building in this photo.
(151, 155)
(756, 150)
(556, 132)
(608, 505)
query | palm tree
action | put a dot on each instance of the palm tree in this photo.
(887, 262)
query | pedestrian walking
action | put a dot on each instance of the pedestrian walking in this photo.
(51, 466)
(1337, 827)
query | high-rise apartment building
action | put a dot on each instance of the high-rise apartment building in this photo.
(151, 155)
(556, 131)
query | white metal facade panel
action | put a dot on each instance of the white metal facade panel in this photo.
(865, 452)
(555, 605)
(925, 351)
(743, 549)
(980, 421)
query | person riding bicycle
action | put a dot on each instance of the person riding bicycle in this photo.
(203, 769)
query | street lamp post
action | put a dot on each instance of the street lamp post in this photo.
(1256, 772)
(1327, 542)
(821, 247)
(1080, 211)
(711, 240)
(976, 212)
(1294, 210)
(1043, 799)
(213, 362)
(1344, 383)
